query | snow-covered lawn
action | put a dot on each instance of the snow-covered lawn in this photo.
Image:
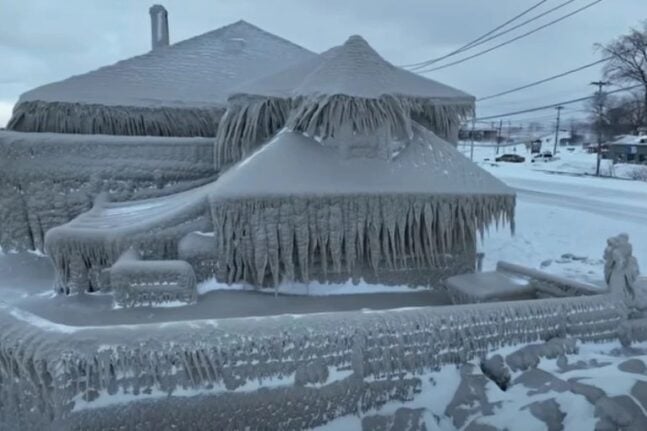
(570, 392)
(564, 217)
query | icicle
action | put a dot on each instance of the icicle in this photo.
(350, 232)
(326, 116)
(95, 119)
(247, 123)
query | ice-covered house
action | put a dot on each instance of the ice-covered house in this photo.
(175, 89)
(352, 186)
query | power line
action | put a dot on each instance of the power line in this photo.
(509, 41)
(568, 102)
(485, 40)
(521, 101)
(528, 21)
(541, 81)
(472, 42)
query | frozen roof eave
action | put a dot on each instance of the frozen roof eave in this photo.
(180, 82)
(349, 85)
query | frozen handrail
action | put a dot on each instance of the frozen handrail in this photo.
(573, 286)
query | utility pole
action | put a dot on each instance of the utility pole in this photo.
(498, 136)
(472, 136)
(599, 84)
(559, 110)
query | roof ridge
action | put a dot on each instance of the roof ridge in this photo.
(239, 23)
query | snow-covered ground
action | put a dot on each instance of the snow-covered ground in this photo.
(601, 384)
(563, 216)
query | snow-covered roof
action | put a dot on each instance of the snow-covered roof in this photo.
(199, 71)
(349, 88)
(630, 140)
(294, 165)
(353, 69)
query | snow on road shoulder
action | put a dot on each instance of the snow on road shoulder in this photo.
(563, 221)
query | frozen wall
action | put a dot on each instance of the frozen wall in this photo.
(350, 360)
(48, 179)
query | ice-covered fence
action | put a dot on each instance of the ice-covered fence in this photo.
(55, 366)
(47, 179)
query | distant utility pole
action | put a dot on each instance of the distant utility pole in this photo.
(498, 136)
(472, 136)
(599, 84)
(559, 110)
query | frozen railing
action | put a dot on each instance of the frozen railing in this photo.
(549, 284)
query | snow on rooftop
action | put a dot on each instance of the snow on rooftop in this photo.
(353, 69)
(293, 164)
(199, 71)
(630, 140)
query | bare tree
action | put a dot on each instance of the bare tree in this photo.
(598, 106)
(628, 61)
(625, 114)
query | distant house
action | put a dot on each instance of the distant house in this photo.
(479, 133)
(628, 149)
(535, 146)
(548, 141)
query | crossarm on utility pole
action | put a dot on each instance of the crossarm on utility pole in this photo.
(599, 84)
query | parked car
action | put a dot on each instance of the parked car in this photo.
(512, 158)
(546, 156)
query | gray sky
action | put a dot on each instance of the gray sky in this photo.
(42, 41)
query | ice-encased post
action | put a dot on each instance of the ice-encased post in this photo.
(159, 27)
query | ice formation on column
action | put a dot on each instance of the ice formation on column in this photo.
(353, 184)
(621, 270)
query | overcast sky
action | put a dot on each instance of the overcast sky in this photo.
(42, 41)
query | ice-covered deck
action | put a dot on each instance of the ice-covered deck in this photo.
(29, 279)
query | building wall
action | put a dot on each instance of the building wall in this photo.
(47, 179)
(628, 153)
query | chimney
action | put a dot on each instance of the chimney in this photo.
(159, 26)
